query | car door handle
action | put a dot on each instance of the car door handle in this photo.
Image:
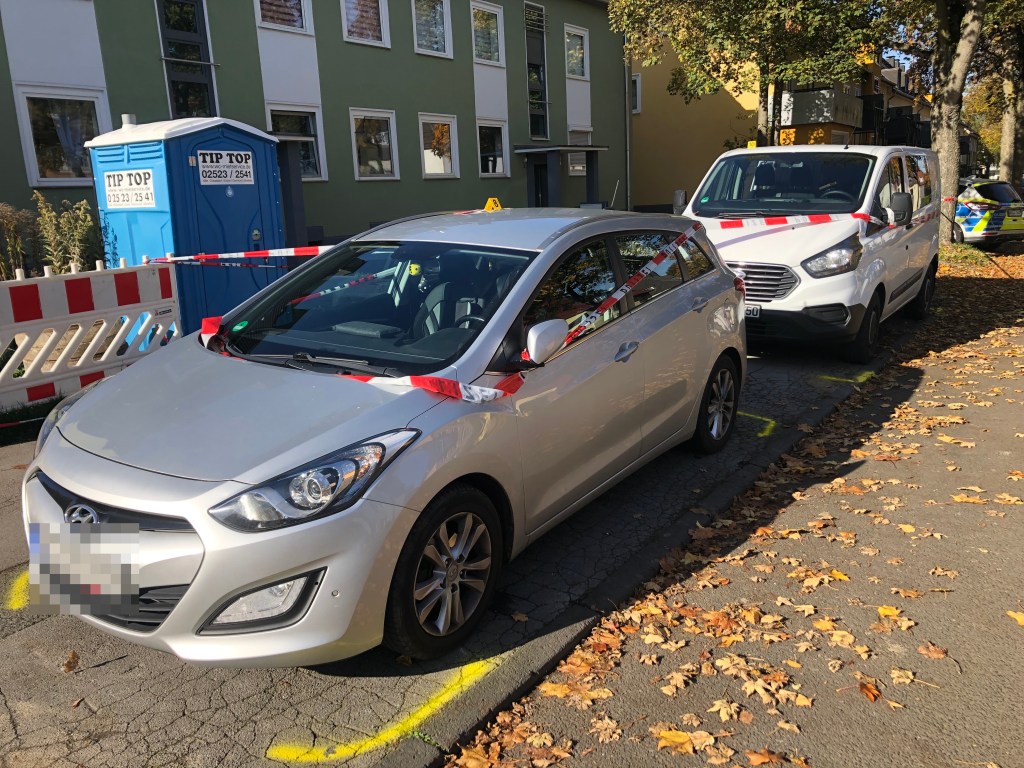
(626, 351)
(699, 304)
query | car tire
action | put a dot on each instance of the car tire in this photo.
(716, 417)
(446, 574)
(922, 303)
(958, 233)
(864, 347)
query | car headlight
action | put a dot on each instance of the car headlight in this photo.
(313, 490)
(54, 416)
(840, 258)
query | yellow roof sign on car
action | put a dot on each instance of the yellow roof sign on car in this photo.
(492, 204)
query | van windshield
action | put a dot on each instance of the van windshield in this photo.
(393, 308)
(785, 183)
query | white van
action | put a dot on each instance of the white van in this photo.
(832, 240)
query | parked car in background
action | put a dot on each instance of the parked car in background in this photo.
(988, 210)
(833, 240)
(354, 453)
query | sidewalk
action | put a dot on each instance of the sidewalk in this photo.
(862, 605)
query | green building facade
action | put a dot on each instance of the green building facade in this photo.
(398, 106)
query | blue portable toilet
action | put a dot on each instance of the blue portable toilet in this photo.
(188, 186)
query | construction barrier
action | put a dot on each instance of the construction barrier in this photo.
(59, 333)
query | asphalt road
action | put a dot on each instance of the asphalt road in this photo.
(129, 706)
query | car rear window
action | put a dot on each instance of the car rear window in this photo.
(1000, 192)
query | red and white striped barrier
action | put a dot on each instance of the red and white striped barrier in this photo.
(303, 251)
(66, 331)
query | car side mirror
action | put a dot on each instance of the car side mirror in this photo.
(544, 339)
(902, 206)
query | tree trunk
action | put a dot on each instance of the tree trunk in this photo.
(1008, 139)
(762, 108)
(956, 40)
(1018, 166)
(776, 112)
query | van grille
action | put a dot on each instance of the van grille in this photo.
(766, 282)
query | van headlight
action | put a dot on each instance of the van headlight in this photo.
(313, 490)
(53, 417)
(840, 258)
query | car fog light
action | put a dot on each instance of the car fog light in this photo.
(262, 604)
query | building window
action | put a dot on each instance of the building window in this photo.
(878, 86)
(300, 127)
(374, 151)
(439, 146)
(292, 15)
(488, 31)
(536, 70)
(493, 148)
(366, 21)
(55, 124)
(634, 94)
(577, 57)
(578, 160)
(187, 62)
(433, 23)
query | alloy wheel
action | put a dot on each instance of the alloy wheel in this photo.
(721, 404)
(452, 574)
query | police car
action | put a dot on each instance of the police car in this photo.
(987, 211)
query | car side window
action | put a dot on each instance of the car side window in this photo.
(892, 182)
(919, 180)
(638, 249)
(697, 262)
(578, 285)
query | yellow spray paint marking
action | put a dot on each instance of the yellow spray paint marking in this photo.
(17, 597)
(769, 426)
(462, 680)
(860, 378)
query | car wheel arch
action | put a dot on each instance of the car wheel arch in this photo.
(494, 490)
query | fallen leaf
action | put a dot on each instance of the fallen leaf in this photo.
(72, 662)
(602, 726)
(838, 575)
(869, 690)
(649, 659)
(906, 528)
(764, 757)
(912, 593)
(1017, 616)
(519, 616)
(77, 702)
(791, 663)
(788, 726)
(701, 739)
(679, 742)
(824, 625)
(727, 710)
(540, 740)
(901, 676)
(932, 651)
(888, 611)
(690, 719)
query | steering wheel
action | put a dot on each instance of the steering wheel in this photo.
(470, 319)
(841, 194)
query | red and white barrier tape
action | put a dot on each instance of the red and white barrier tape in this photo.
(469, 392)
(778, 221)
(335, 289)
(303, 251)
(19, 423)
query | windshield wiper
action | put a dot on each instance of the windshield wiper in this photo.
(741, 214)
(298, 360)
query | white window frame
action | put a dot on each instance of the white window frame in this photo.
(385, 27)
(389, 114)
(639, 103)
(318, 118)
(447, 32)
(571, 29)
(500, 13)
(307, 20)
(503, 124)
(22, 93)
(569, 155)
(453, 134)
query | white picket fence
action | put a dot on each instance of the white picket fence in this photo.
(59, 333)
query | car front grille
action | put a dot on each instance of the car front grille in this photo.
(150, 609)
(766, 282)
(109, 514)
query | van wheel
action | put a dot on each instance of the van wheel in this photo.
(958, 233)
(446, 574)
(922, 303)
(717, 413)
(863, 348)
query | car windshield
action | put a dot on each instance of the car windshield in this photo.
(785, 183)
(404, 308)
(1000, 192)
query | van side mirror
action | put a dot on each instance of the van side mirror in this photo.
(902, 206)
(679, 201)
(544, 339)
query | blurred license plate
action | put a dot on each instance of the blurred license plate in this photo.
(753, 310)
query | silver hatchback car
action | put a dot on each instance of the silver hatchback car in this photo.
(352, 455)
